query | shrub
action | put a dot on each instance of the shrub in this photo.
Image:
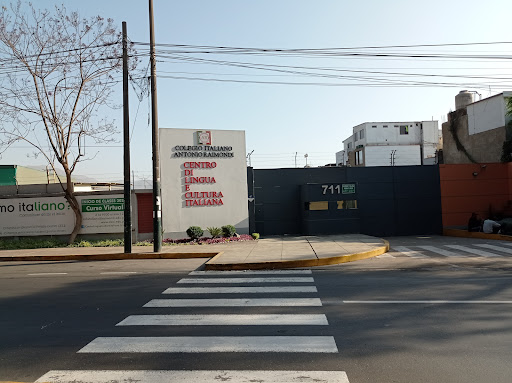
(81, 243)
(98, 243)
(145, 243)
(30, 243)
(228, 231)
(255, 235)
(195, 232)
(215, 231)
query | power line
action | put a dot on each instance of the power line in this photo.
(322, 49)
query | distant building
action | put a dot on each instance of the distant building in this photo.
(391, 144)
(475, 132)
(21, 175)
(15, 180)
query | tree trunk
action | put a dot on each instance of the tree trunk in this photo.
(71, 198)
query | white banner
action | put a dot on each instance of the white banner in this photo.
(54, 216)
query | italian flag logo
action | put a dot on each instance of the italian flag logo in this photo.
(204, 137)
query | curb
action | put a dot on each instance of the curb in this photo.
(475, 234)
(293, 264)
(209, 265)
(106, 257)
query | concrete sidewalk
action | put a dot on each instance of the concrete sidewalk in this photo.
(269, 253)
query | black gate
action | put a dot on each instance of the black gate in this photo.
(380, 201)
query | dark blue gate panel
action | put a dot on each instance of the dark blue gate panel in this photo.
(401, 200)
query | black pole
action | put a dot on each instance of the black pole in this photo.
(126, 137)
(157, 200)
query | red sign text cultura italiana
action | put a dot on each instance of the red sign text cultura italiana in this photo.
(208, 198)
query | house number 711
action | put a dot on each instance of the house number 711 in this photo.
(331, 188)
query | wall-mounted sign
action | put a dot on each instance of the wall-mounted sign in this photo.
(204, 179)
(348, 189)
(53, 215)
(338, 189)
(204, 137)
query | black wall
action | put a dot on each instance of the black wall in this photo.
(400, 200)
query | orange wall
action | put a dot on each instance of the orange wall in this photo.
(463, 193)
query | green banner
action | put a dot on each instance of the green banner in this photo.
(102, 204)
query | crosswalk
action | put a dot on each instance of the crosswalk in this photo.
(451, 250)
(201, 294)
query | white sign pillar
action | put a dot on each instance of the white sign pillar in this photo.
(204, 180)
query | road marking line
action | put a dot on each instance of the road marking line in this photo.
(119, 272)
(498, 248)
(248, 280)
(250, 272)
(473, 251)
(317, 344)
(409, 252)
(430, 302)
(204, 376)
(243, 302)
(446, 253)
(240, 290)
(226, 320)
(48, 274)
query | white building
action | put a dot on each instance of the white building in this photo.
(476, 130)
(391, 144)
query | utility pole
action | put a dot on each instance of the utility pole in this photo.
(126, 139)
(422, 143)
(295, 159)
(157, 200)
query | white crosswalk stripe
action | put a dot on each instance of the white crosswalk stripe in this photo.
(496, 248)
(241, 290)
(242, 302)
(248, 280)
(385, 255)
(203, 376)
(473, 251)
(409, 252)
(226, 320)
(194, 344)
(251, 272)
(444, 252)
(140, 344)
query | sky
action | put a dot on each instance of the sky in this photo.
(284, 121)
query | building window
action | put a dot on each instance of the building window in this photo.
(374, 126)
(404, 129)
(359, 157)
(348, 145)
(349, 204)
(384, 126)
(361, 134)
(317, 205)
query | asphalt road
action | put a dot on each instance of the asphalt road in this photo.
(412, 315)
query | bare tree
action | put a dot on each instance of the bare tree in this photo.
(56, 83)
